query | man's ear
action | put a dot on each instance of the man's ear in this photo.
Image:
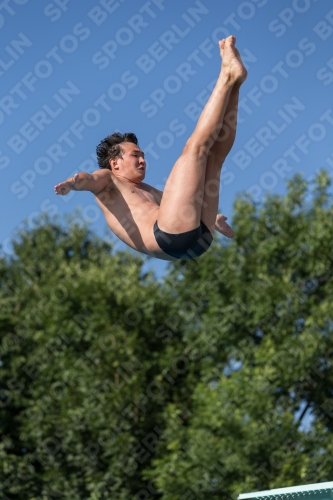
(113, 163)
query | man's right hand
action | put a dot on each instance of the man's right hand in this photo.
(66, 186)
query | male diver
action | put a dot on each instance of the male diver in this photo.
(179, 222)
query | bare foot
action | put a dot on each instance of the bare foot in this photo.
(221, 44)
(222, 227)
(232, 64)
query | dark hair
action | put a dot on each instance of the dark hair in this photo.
(110, 148)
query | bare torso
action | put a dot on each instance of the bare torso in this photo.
(131, 211)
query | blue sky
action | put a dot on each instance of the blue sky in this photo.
(72, 73)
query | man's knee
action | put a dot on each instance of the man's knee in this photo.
(198, 150)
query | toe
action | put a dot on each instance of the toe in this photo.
(231, 40)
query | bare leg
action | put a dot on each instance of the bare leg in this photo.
(181, 204)
(216, 158)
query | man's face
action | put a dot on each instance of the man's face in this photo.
(132, 165)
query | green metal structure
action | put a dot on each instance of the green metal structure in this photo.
(319, 491)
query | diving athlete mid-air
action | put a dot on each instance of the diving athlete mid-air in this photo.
(179, 222)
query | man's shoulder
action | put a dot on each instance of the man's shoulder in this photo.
(148, 186)
(102, 172)
(103, 181)
(154, 191)
(104, 176)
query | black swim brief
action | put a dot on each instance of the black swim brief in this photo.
(188, 245)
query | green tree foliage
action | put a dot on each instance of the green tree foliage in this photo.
(263, 326)
(215, 382)
(81, 389)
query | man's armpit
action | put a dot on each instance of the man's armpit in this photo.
(157, 195)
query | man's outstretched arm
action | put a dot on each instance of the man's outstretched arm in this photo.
(95, 182)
